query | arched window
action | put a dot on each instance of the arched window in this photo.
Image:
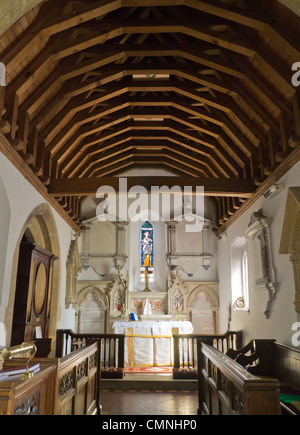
(239, 274)
(146, 250)
(245, 279)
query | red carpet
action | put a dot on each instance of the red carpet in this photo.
(148, 369)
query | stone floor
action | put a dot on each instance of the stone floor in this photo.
(155, 400)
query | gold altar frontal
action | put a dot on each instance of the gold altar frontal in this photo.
(150, 343)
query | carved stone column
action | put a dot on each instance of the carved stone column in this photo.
(171, 241)
(120, 257)
(86, 238)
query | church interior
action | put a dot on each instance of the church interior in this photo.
(149, 205)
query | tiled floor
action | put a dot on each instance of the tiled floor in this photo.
(149, 402)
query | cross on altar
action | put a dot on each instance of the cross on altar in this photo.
(147, 272)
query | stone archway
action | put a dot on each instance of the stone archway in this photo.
(40, 228)
(11, 11)
(203, 303)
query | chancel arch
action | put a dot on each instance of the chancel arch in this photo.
(39, 229)
(203, 308)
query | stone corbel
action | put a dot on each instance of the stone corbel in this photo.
(120, 257)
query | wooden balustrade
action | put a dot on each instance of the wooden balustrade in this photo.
(185, 347)
(111, 347)
(226, 388)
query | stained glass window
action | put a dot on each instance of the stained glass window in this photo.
(146, 250)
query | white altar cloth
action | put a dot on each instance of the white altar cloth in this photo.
(150, 343)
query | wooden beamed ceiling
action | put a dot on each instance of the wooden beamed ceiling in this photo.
(199, 88)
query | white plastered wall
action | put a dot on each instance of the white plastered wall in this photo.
(283, 314)
(18, 199)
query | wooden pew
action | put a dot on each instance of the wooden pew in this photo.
(226, 388)
(65, 386)
(270, 358)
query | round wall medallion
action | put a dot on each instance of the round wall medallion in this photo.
(240, 302)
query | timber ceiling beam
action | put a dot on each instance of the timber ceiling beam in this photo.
(70, 110)
(163, 149)
(199, 88)
(230, 149)
(187, 141)
(184, 104)
(212, 186)
(74, 165)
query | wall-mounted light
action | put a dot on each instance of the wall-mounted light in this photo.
(273, 190)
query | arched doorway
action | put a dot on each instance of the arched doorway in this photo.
(39, 229)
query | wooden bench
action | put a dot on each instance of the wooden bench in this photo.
(227, 388)
(270, 358)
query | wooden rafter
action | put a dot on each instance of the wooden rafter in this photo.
(200, 88)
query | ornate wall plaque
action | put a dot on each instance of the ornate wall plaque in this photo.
(259, 231)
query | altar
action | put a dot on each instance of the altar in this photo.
(150, 343)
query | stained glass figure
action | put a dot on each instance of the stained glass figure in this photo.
(147, 245)
(146, 251)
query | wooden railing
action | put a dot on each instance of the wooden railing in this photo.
(226, 388)
(79, 382)
(111, 346)
(185, 346)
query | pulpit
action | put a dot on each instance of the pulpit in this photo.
(150, 343)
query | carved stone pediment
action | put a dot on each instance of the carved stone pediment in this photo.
(118, 295)
(177, 294)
